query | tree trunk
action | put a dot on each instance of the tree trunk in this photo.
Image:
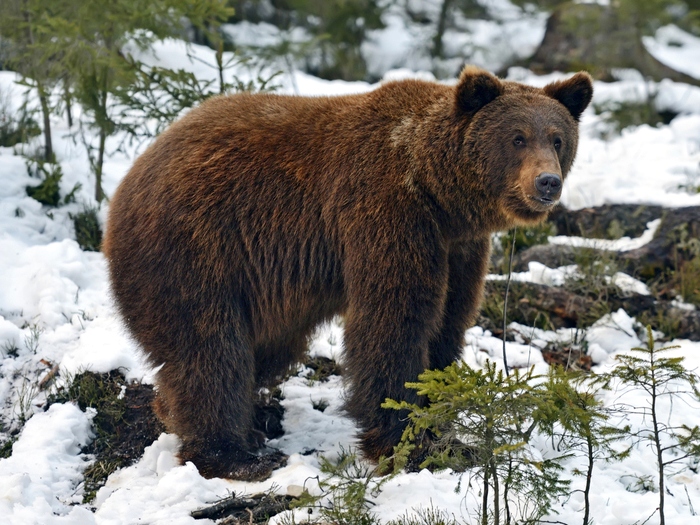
(105, 126)
(99, 193)
(46, 114)
(68, 98)
(496, 494)
(657, 440)
(485, 495)
(597, 38)
(589, 476)
(442, 22)
(220, 66)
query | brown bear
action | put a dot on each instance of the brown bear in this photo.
(258, 216)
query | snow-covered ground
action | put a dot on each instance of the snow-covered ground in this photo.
(55, 309)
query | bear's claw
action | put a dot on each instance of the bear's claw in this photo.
(240, 465)
(258, 467)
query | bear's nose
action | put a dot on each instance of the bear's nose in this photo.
(548, 184)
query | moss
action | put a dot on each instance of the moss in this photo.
(322, 368)
(522, 308)
(669, 324)
(678, 273)
(615, 230)
(690, 281)
(124, 423)
(593, 280)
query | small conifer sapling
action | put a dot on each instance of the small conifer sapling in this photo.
(660, 378)
(482, 420)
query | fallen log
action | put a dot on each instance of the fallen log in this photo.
(245, 509)
(610, 221)
(676, 241)
(553, 307)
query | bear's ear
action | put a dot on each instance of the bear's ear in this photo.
(575, 92)
(475, 89)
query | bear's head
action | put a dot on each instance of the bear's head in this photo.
(520, 141)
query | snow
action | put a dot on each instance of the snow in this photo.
(646, 165)
(623, 244)
(38, 481)
(156, 489)
(675, 48)
(55, 308)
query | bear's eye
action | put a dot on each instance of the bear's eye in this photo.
(557, 143)
(519, 141)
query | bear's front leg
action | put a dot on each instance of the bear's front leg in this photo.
(396, 290)
(468, 263)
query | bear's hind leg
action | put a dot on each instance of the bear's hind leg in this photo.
(273, 361)
(205, 396)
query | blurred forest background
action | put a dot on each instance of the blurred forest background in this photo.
(69, 51)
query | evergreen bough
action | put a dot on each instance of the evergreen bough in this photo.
(88, 233)
(47, 192)
(495, 414)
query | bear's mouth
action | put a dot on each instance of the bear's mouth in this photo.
(545, 201)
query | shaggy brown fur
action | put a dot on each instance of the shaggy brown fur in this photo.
(257, 217)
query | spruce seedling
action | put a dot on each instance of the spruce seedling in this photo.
(660, 377)
(426, 516)
(346, 486)
(576, 421)
(88, 233)
(493, 413)
(47, 192)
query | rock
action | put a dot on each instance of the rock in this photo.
(295, 491)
